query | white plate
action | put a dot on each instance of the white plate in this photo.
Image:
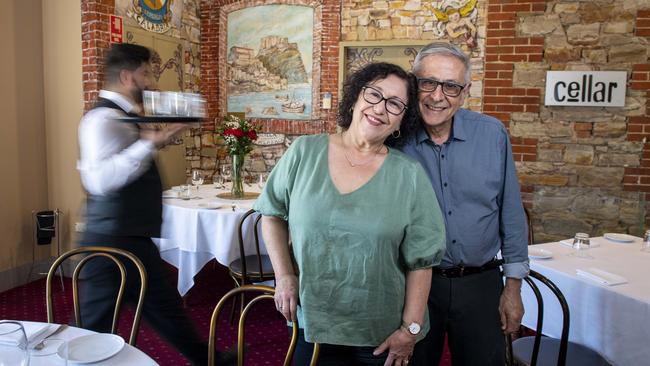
(620, 238)
(212, 205)
(92, 348)
(538, 253)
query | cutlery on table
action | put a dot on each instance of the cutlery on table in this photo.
(39, 346)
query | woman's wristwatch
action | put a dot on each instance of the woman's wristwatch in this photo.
(412, 329)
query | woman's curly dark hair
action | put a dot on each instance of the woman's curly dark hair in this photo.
(366, 75)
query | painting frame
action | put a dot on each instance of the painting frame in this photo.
(402, 52)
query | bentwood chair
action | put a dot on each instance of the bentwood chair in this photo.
(253, 267)
(94, 252)
(529, 221)
(266, 293)
(546, 351)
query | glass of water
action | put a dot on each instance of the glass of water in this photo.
(197, 178)
(13, 344)
(580, 245)
(261, 181)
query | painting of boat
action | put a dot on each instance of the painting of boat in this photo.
(293, 106)
(282, 98)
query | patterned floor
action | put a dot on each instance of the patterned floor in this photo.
(266, 332)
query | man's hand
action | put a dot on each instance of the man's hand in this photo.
(511, 307)
(161, 137)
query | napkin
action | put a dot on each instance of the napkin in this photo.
(601, 276)
(35, 332)
(569, 243)
(170, 194)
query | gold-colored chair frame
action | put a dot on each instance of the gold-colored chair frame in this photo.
(95, 252)
(267, 293)
(245, 277)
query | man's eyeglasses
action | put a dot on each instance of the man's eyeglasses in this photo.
(372, 95)
(448, 88)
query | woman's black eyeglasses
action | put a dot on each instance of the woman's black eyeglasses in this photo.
(372, 95)
(448, 88)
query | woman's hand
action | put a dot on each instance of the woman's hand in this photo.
(286, 296)
(400, 348)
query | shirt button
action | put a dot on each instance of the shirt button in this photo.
(445, 184)
(453, 241)
(449, 213)
(443, 156)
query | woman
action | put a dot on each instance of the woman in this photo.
(365, 227)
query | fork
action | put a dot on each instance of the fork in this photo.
(41, 344)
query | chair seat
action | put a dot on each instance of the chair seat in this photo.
(577, 354)
(252, 267)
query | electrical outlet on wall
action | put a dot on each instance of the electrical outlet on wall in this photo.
(80, 227)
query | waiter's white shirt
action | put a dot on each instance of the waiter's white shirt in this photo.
(112, 153)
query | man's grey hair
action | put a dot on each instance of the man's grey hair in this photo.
(446, 49)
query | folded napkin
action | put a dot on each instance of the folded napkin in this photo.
(569, 243)
(170, 194)
(601, 276)
(35, 333)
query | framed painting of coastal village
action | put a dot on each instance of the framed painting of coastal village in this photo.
(269, 61)
(355, 55)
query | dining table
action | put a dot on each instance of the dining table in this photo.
(205, 227)
(607, 288)
(78, 338)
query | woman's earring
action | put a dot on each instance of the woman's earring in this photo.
(399, 133)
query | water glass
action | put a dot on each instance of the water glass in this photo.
(645, 246)
(261, 181)
(197, 178)
(580, 245)
(13, 344)
(186, 192)
(225, 172)
(217, 180)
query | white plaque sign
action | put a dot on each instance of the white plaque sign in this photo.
(586, 88)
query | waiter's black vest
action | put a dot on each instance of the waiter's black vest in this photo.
(133, 210)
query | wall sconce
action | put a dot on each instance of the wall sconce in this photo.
(327, 100)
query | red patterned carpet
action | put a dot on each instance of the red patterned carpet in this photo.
(266, 332)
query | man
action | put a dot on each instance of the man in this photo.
(468, 158)
(124, 208)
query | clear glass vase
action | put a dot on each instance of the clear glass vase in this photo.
(237, 165)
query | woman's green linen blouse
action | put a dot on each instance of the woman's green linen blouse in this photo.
(354, 250)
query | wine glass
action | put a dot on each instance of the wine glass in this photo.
(197, 178)
(217, 180)
(225, 173)
(13, 344)
(261, 181)
(580, 244)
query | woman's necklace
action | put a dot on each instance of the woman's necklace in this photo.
(353, 164)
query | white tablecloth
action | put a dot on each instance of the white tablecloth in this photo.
(192, 234)
(613, 320)
(127, 356)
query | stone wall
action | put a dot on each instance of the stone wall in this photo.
(581, 168)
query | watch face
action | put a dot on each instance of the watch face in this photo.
(414, 328)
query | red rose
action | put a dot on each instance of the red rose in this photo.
(252, 135)
(233, 132)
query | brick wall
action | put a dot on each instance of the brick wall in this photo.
(95, 40)
(637, 179)
(503, 49)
